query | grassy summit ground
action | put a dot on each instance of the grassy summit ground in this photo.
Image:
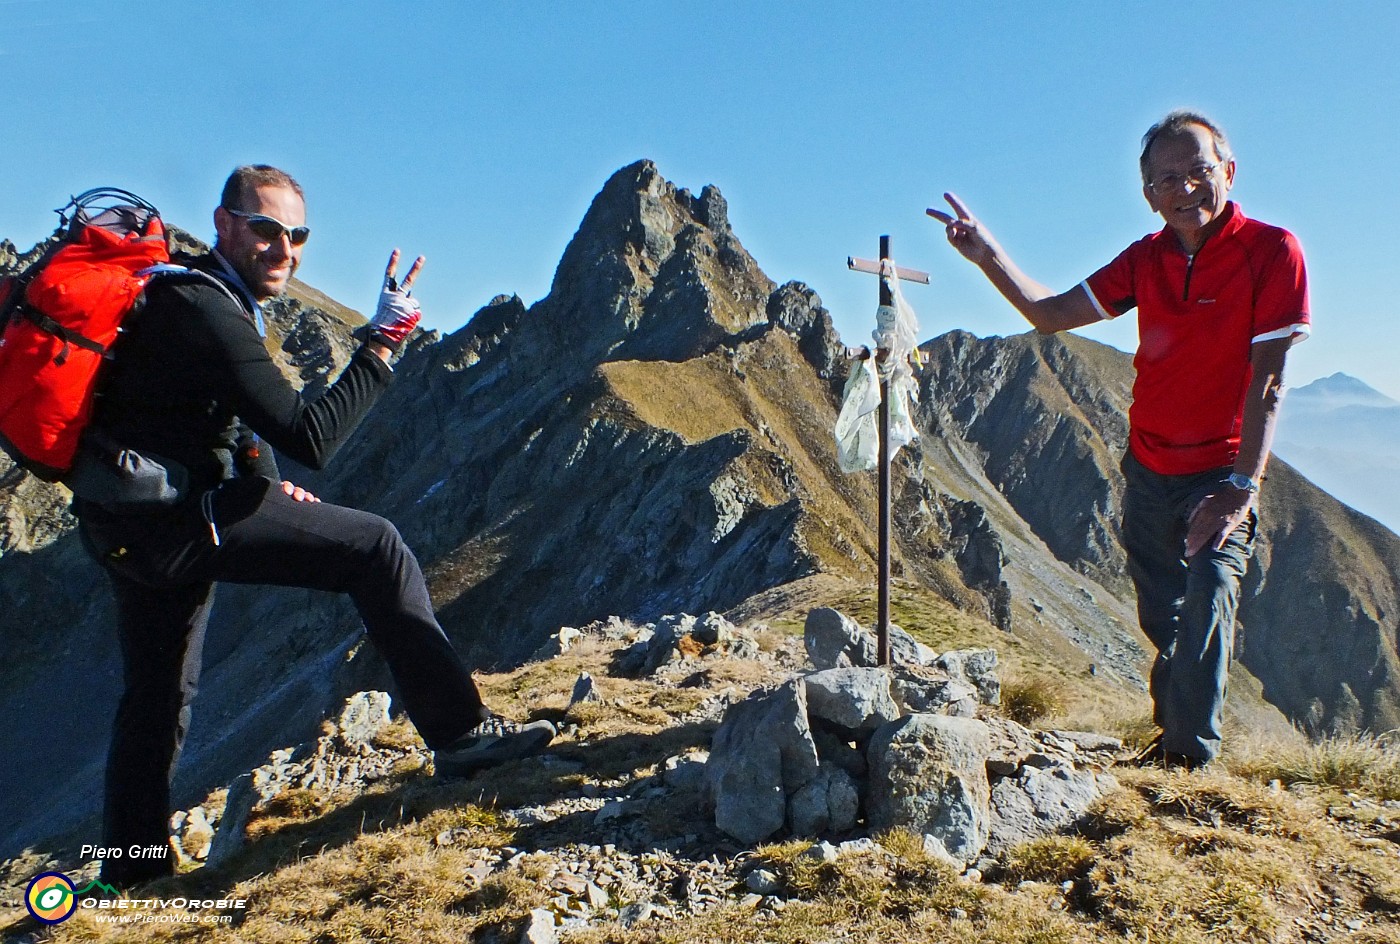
(1279, 842)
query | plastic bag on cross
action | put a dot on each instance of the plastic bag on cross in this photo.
(857, 425)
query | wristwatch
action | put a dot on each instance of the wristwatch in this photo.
(1243, 482)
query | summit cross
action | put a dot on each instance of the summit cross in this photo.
(882, 622)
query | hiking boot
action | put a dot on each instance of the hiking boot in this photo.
(1155, 755)
(494, 741)
(1174, 761)
(1150, 756)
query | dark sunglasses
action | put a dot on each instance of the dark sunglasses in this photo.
(271, 230)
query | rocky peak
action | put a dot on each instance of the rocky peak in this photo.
(1039, 409)
(639, 208)
(13, 261)
(653, 273)
(797, 309)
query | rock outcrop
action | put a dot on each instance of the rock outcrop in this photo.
(832, 748)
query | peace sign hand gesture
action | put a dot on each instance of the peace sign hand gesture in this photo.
(965, 233)
(397, 313)
(406, 286)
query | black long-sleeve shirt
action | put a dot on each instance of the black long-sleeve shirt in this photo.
(190, 378)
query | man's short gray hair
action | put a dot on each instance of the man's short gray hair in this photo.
(1176, 123)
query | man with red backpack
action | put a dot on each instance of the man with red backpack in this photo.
(191, 388)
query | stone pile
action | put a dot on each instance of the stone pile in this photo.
(901, 746)
(685, 637)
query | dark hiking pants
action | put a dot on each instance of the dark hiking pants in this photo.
(163, 568)
(1186, 606)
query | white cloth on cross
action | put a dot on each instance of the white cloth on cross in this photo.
(896, 326)
(857, 426)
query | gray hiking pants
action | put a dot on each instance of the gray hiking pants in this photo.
(1186, 607)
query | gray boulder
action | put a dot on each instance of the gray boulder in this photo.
(585, 690)
(656, 648)
(539, 928)
(1041, 800)
(685, 773)
(712, 629)
(740, 645)
(677, 638)
(906, 650)
(978, 667)
(855, 700)
(834, 640)
(929, 773)
(838, 749)
(762, 752)
(238, 808)
(929, 690)
(829, 803)
(363, 716)
(557, 644)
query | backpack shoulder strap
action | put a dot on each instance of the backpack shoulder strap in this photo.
(190, 275)
(174, 272)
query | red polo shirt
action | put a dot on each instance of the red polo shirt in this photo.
(1197, 319)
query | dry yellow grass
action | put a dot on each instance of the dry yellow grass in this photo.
(1183, 858)
(1028, 700)
(1053, 859)
(1369, 764)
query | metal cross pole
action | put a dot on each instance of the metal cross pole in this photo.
(882, 621)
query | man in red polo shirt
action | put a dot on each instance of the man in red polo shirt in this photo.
(1220, 300)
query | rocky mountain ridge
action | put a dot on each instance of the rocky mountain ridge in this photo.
(654, 436)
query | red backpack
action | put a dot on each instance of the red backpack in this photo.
(60, 317)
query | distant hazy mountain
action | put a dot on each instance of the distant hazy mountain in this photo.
(1337, 392)
(1345, 436)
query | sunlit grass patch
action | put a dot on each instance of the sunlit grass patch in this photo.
(898, 879)
(1217, 799)
(1365, 763)
(1053, 859)
(1028, 699)
(1143, 889)
(398, 735)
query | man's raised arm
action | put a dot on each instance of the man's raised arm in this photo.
(1046, 311)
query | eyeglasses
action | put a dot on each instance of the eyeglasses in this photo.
(271, 230)
(1170, 183)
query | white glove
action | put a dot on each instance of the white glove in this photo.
(397, 313)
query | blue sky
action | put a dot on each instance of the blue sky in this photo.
(477, 133)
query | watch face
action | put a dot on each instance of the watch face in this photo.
(1242, 482)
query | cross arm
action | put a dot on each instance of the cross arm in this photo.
(873, 267)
